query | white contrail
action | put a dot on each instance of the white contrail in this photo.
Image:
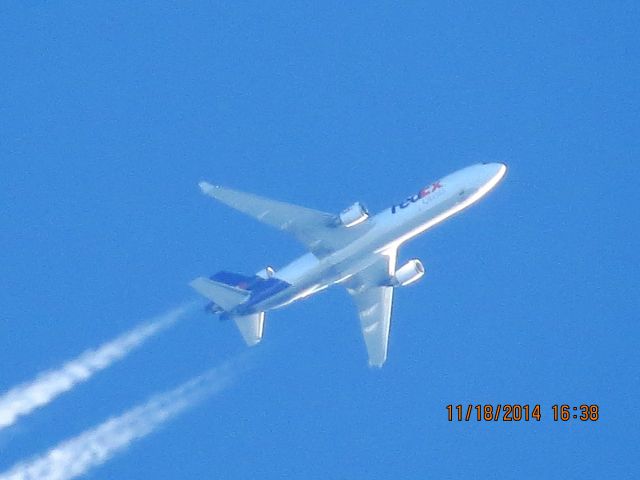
(94, 447)
(25, 398)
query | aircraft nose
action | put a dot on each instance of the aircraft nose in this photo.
(496, 167)
(495, 171)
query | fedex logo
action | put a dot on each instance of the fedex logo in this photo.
(426, 191)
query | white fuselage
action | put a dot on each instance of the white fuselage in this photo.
(388, 230)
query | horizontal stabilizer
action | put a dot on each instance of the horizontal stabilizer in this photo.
(251, 327)
(221, 294)
(237, 280)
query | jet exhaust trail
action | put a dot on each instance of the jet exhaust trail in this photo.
(23, 399)
(96, 446)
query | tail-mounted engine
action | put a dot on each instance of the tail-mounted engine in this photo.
(266, 273)
(410, 272)
(355, 214)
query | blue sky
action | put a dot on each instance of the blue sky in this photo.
(111, 112)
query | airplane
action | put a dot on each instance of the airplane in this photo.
(352, 249)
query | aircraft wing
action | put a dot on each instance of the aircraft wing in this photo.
(316, 230)
(374, 302)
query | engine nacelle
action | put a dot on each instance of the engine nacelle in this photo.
(266, 273)
(355, 214)
(410, 272)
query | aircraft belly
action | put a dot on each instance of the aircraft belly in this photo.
(408, 224)
(308, 274)
(319, 278)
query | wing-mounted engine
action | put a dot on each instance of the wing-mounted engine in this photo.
(355, 214)
(407, 274)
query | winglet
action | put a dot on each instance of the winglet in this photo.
(206, 187)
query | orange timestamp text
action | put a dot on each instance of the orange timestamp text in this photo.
(516, 412)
